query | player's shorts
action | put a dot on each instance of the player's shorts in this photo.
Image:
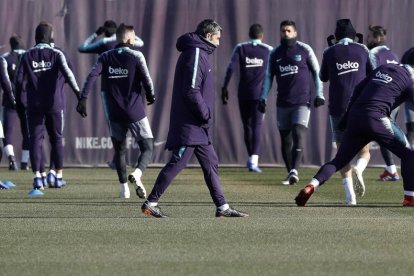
(140, 130)
(409, 112)
(287, 117)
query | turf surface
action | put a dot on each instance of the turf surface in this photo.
(84, 229)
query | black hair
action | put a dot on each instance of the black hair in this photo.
(377, 31)
(288, 23)
(16, 42)
(43, 33)
(344, 29)
(255, 31)
(208, 26)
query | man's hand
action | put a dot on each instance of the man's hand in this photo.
(224, 95)
(261, 105)
(81, 107)
(150, 98)
(318, 102)
(100, 30)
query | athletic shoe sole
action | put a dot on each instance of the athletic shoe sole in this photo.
(358, 182)
(140, 189)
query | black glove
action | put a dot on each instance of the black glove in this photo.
(318, 102)
(343, 122)
(261, 105)
(224, 95)
(81, 107)
(100, 30)
(150, 98)
(14, 104)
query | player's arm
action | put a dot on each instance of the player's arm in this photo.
(234, 59)
(90, 45)
(323, 72)
(267, 83)
(313, 65)
(138, 42)
(67, 73)
(146, 78)
(5, 81)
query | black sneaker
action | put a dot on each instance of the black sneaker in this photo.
(24, 166)
(231, 213)
(154, 211)
(12, 164)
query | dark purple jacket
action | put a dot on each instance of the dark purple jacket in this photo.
(293, 67)
(383, 55)
(123, 71)
(193, 93)
(6, 84)
(383, 90)
(41, 66)
(250, 59)
(13, 59)
(344, 65)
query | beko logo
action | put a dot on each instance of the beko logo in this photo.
(254, 62)
(347, 66)
(117, 72)
(288, 70)
(382, 77)
(41, 65)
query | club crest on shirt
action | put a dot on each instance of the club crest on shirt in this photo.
(297, 57)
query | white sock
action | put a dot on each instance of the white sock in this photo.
(25, 156)
(255, 159)
(348, 187)
(52, 172)
(361, 164)
(223, 207)
(59, 175)
(43, 174)
(124, 187)
(392, 169)
(8, 150)
(409, 193)
(37, 174)
(152, 204)
(315, 183)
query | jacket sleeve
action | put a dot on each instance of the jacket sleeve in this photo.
(268, 80)
(138, 42)
(5, 80)
(91, 78)
(193, 87)
(67, 73)
(323, 73)
(144, 73)
(234, 60)
(313, 65)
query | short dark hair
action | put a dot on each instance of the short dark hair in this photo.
(288, 23)
(16, 42)
(377, 31)
(43, 32)
(255, 31)
(122, 29)
(208, 26)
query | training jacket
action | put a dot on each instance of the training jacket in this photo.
(123, 71)
(193, 93)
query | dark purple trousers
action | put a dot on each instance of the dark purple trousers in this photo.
(363, 129)
(252, 120)
(10, 117)
(208, 160)
(53, 123)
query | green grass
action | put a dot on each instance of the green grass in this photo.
(84, 229)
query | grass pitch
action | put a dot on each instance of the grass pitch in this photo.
(84, 229)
